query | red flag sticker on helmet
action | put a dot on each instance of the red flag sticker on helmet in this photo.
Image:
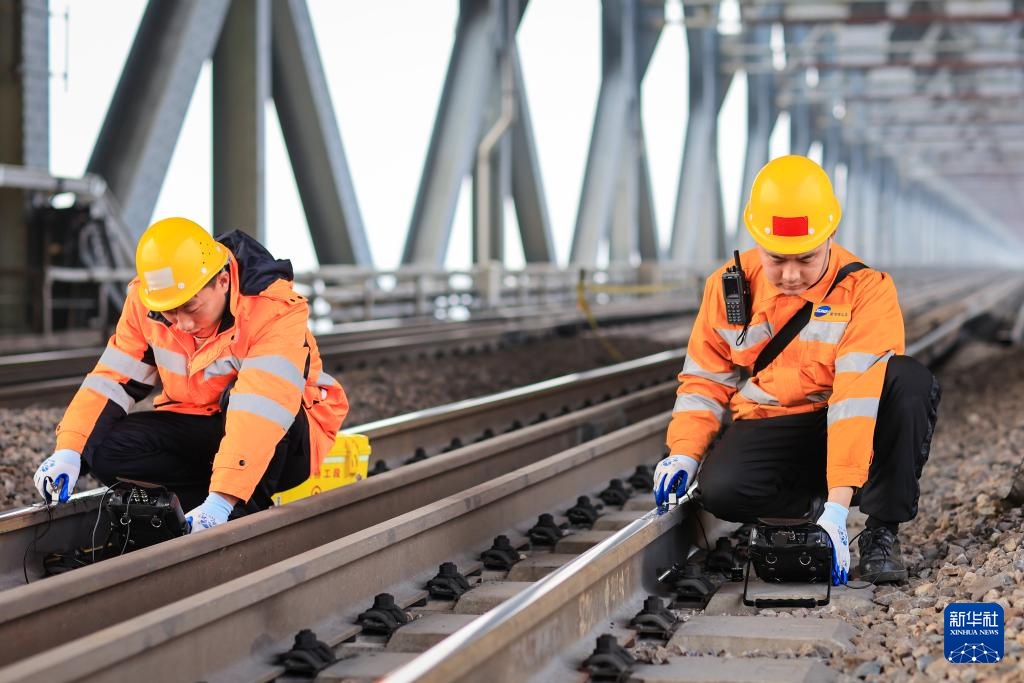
(795, 226)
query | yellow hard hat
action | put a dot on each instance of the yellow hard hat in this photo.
(175, 258)
(792, 207)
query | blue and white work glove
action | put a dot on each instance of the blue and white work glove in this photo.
(833, 520)
(672, 476)
(57, 476)
(213, 511)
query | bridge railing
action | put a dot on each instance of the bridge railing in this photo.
(340, 294)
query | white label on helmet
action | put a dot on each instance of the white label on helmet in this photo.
(158, 279)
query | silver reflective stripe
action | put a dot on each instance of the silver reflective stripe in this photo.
(852, 407)
(110, 389)
(276, 365)
(729, 379)
(132, 368)
(860, 362)
(819, 398)
(753, 392)
(688, 402)
(262, 406)
(755, 335)
(169, 360)
(325, 380)
(228, 365)
(821, 331)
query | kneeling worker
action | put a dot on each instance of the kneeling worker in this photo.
(824, 407)
(245, 410)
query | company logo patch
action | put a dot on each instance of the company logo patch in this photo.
(974, 632)
(832, 313)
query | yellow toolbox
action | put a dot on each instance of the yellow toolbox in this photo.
(345, 464)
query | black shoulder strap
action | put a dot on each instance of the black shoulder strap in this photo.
(797, 323)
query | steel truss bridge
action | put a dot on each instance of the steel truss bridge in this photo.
(916, 108)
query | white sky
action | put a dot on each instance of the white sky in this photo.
(385, 63)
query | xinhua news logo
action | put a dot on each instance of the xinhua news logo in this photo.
(974, 632)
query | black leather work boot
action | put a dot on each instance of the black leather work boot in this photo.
(881, 560)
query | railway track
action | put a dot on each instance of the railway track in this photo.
(110, 591)
(53, 376)
(252, 615)
(327, 587)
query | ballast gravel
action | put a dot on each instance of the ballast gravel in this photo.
(967, 543)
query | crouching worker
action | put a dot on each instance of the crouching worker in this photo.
(825, 408)
(245, 408)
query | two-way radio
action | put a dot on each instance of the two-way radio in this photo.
(736, 291)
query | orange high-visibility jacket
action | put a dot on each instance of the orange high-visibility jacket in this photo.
(837, 362)
(263, 346)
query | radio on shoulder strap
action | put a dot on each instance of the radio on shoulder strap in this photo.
(736, 291)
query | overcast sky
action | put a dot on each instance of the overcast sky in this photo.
(385, 63)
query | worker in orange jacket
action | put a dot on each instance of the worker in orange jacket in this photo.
(838, 416)
(245, 410)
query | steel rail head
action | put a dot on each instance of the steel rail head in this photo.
(442, 661)
(36, 514)
(453, 656)
(983, 301)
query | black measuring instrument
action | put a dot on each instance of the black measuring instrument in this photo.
(789, 550)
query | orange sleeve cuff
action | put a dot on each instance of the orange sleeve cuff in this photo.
(846, 476)
(71, 440)
(228, 480)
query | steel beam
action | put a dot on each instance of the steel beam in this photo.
(493, 167)
(866, 186)
(801, 125)
(644, 238)
(241, 88)
(647, 228)
(606, 188)
(651, 17)
(527, 188)
(833, 148)
(313, 139)
(457, 129)
(615, 201)
(25, 84)
(871, 208)
(142, 125)
(698, 231)
(761, 117)
(498, 182)
(471, 106)
(24, 141)
(889, 192)
(848, 233)
(991, 240)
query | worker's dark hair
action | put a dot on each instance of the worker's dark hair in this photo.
(225, 269)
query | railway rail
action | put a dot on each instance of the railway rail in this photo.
(252, 615)
(110, 591)
(50, 376)
(327, 587)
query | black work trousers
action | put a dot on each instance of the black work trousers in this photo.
(177, 451)
(775, 467)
